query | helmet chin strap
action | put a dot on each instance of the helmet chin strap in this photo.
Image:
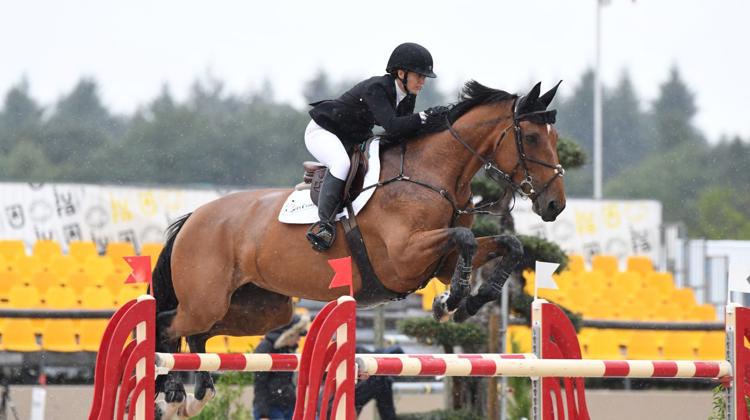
(404, 81)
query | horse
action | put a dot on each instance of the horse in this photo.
(231, 268)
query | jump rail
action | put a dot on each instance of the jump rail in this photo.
(126, 369)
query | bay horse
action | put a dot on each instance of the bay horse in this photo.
(231, 268)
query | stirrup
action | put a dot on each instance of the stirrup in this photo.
(323, 239)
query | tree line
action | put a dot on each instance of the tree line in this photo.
(215, 137)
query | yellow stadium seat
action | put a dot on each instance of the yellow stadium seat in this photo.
(685, 298)
(661, 281)
(18, 335)
(669, 311)
(24, 297)
(7, 281)
(25, 266)
(12, 249)
(712, 346)
(682, 345)
(129, 292)
(44, 280)
(626, 283)
(576, 263)
(46, 249)
(61, 297)
(604, 307)
(90, 333)
(80, 281)
(521, 335)
(114, 283)
(637, 311)
(703, 312)
(646, 345)
(593, 282)
(59, 335)
(606, 264)
(217, 344)
(152, 249)
(243, 344)
(640, 264)
(605, 344)
(99, 267)
(82, 250)
(97, 298)
(60, 265)
(116, 251)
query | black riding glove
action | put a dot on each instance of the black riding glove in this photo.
(434, 112)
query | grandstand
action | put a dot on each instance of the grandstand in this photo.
(82, 279)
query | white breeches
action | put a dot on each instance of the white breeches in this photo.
(327, 149)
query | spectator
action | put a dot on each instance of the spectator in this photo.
(275, 392)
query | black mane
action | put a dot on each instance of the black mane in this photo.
(472, 94)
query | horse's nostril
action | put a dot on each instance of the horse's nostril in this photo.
(553, 205)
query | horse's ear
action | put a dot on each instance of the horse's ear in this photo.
(547, 97)
(533, 94)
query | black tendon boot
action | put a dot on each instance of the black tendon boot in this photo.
(322, 234)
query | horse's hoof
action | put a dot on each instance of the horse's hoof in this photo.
(461, 314)
(174, 392)
(440, 309)
(205, 389)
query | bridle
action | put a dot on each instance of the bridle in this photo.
(526, 187)
(490, 166)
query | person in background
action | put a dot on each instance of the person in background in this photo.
(276, 392)
(379, 388)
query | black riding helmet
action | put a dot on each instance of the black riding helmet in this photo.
(412, 57)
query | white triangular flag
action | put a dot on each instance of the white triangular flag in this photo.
(739, 276)
(543, 277)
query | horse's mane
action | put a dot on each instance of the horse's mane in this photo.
(472, 94)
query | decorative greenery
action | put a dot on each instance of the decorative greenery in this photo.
(227, 405)
(539, 249)
(519, 403)
(441, 415)
(447, 335)
(570, 154)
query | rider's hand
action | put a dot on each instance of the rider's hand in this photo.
(436, 110)
(433, 112)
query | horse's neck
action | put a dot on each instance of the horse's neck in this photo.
(440, 159)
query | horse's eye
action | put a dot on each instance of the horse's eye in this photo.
(531, 138)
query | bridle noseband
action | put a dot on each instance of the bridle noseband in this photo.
(526, 187)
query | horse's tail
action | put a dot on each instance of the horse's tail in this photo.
(163, 289)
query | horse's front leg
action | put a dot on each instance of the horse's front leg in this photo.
(490, 247)
(466, 247)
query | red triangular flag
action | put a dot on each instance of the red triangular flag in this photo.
(141, 269)
(342, 267)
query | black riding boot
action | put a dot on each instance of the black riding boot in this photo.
(322, 234)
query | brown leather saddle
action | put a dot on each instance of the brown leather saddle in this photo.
(315, 172)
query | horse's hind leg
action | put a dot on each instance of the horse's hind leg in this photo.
(204, 385)
(169, 384)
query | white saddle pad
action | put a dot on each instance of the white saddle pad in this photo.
(299, 208)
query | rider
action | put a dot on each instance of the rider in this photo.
(340, 125)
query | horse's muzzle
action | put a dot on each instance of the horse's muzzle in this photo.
(548, 210)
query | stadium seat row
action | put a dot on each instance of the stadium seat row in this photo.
(636, 344)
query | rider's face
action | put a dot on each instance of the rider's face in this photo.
(414, 81)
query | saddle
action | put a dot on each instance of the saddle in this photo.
(316, 171)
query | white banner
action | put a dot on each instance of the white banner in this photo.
(613, 227)
(98, 213)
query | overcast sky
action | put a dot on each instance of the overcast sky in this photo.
(133, 47)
